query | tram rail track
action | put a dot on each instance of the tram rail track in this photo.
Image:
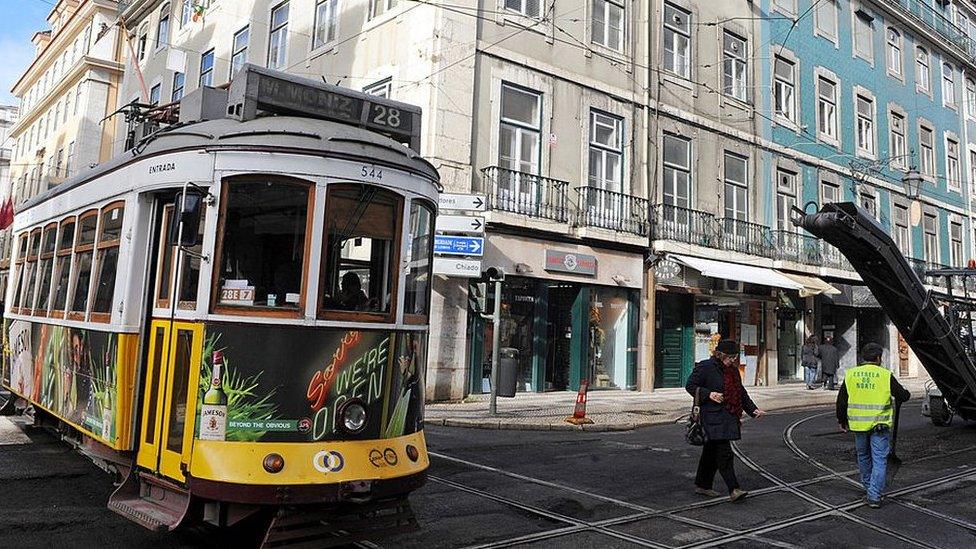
(575, 525)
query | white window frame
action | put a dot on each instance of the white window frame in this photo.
(380, 88)
(186, 12)
(862, 48)
(206, 76)
(828, 128)
(864, 130)
(785, 107)
(868, 200)
(948, 85)
(331, 25)
(278, 33)
(786, 198)
(923, 70)
(680, 64)
(970, 97)
(737, 209)
(606, 7)
(898, 140)
(894, 56)
(161, 24)
(820, 15)
(926, 155)
(735, 66)
(930, 251)
(835, 189)
(953, 163)
(677, 167)
(900, 228)
(238, 56)
(956, 246)
(616, 125)
(520, 7)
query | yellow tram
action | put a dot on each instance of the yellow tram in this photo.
(233, 315)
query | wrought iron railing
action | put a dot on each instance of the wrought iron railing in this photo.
(922, 267)
(923, 12)
(612, 210)
(526, 193)
(679, 224)
(832, 258)
(745, 237)
(797, 247)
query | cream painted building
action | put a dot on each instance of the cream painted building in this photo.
(539, 105)
(65, 94)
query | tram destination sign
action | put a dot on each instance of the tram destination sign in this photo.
(459, 245)
(462, 202)
(257, 89)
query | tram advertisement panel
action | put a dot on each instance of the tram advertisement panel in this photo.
(287, 384)
(69, 371)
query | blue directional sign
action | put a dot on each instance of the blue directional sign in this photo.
(459, 245)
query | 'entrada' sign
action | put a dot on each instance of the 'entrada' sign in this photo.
(569, 262)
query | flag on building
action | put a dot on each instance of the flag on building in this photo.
(7, 213)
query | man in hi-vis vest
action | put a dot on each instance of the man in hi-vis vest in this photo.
(864, 406)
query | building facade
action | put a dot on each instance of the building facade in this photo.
(794, 103)
(8, 117)
(537, 105)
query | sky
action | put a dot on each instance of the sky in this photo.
(19, 21)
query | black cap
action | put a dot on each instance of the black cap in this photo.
(871, 352)
(728, 347)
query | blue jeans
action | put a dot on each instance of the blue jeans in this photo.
(872, 460)
(809, 375)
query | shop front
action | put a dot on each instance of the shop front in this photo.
(559, 323)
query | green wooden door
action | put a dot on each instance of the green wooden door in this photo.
(674, 354)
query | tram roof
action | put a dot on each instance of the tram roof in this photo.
(286, 134)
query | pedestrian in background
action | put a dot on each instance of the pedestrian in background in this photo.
(864, 408)
(722, 399)
(809, 359)
(829, 362)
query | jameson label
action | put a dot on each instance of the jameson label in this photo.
(107, 424)
(213, 422)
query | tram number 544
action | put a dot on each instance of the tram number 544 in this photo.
(371, 172)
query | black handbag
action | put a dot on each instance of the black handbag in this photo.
(695, 435)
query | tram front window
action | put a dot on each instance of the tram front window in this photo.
(418, 264)
(263, 251)
(359, 251)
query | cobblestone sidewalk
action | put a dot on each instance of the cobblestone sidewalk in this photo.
(615, 410)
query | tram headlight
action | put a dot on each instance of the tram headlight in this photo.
(353, 415)
(273, 463)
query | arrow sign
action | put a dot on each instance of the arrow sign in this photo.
(459, 245)
(462, 202)
(460, 224)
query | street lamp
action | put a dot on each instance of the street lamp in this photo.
(912, 180)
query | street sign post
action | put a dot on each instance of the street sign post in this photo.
(460, 224)
(462, 202)
(459, 245)
(462, 268)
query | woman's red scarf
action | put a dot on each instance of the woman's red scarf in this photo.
(732, 389)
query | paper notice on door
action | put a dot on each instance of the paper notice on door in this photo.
(750, 334)
(751, 364)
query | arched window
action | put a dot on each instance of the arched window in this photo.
(894, 50)
(162, 27)
(107, 261)
(84, 252)
(922, 74)
(49, 244)
(62, 267)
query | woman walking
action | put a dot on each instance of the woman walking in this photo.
(809, 358)
(722, 399)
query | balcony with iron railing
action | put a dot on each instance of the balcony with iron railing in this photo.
(935, 20)
(526, 194)
(797, 247)
(674, 223)
(746, 237)
(611, 210)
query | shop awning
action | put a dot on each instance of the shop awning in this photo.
(736, 271)
(811, 285)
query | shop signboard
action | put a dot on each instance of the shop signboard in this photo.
(459, 245)
(462, 202)
(460, 224)
(465, 268)
(570, 262)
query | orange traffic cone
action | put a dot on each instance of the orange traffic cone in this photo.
(579, 413)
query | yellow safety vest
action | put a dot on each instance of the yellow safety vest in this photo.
(868, 397)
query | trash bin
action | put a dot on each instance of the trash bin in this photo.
(507, 371)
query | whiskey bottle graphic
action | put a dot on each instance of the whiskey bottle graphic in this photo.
(213, 413)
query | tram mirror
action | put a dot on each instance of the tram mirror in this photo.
(189, 210)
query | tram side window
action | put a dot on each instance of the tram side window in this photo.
(262, 258)
(62, 273)
(107, 259)
(49, 243)
(19, 275)
(360, 249)
(84, 252)
(418, 264)
(27, 297)
(190, 269)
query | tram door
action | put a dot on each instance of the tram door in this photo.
(172, 369)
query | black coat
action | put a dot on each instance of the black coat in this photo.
(808, 355)
(829, 358)
(718, 422)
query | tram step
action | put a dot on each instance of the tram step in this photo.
(152, 502)
(332, 526)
